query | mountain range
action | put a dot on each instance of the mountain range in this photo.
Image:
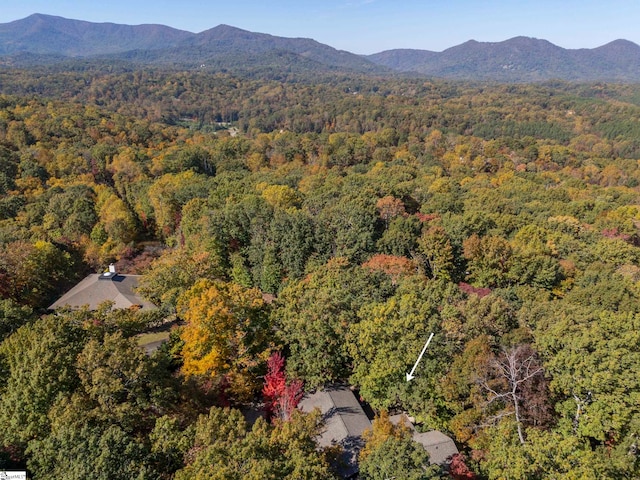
(44, 39)
(519, 59)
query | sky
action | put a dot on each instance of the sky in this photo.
(368, 26)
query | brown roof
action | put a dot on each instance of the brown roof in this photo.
(99, 288)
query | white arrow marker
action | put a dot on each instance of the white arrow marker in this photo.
(411, 376)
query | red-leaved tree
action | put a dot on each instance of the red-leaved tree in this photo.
(281, 398)
(458, 469)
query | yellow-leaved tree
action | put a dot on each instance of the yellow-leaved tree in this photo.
(226, 336)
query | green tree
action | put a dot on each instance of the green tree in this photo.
(39, 366)
(400, 237)
(31, 273)
(592, 359)
(271, 274)
(239, 271)
(388, 339)
(12, 317)
(8, 169)
(551, 454)
(70, 214)
(292, 235)
(174, 272)
(435, 246)
(99, 429)
(487, 315)
(398, 458)
(224, 448)
(489, 260)
(170, 441)
(76, 452)
(120, 384)
(445, 195)
(169, 193)
(533, 261)
(348, 228)
(314, 315)
(389, 450)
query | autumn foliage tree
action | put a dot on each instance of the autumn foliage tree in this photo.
(381, 430)
(31, 272)
(226, 336)
(389, 207)
(281, 397)
(529, 193)
(459, 470)
(395, 267)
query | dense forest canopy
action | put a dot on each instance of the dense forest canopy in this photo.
(502, 218)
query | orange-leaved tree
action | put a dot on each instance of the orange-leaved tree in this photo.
(226, 336)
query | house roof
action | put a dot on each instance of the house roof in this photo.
(439, 446)
(344, 420)
(99, 288)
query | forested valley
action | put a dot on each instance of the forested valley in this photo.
(306, 231)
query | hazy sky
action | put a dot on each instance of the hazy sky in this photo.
(368, 26)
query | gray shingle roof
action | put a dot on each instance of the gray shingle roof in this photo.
(439, 446)
(98, 288)
(344, 421)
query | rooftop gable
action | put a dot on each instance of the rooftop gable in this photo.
(344, 420)
(99, 288)
(439, 446)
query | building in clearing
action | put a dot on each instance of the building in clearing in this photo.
(98, 288)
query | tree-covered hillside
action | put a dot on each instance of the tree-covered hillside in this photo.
(50, 40)
(504, 219)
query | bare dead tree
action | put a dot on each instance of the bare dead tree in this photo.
(581, 403)
(509, 372)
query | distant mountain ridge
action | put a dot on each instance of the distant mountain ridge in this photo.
(50, 35)
(45, 39)
(222, 46)
(519, 59)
